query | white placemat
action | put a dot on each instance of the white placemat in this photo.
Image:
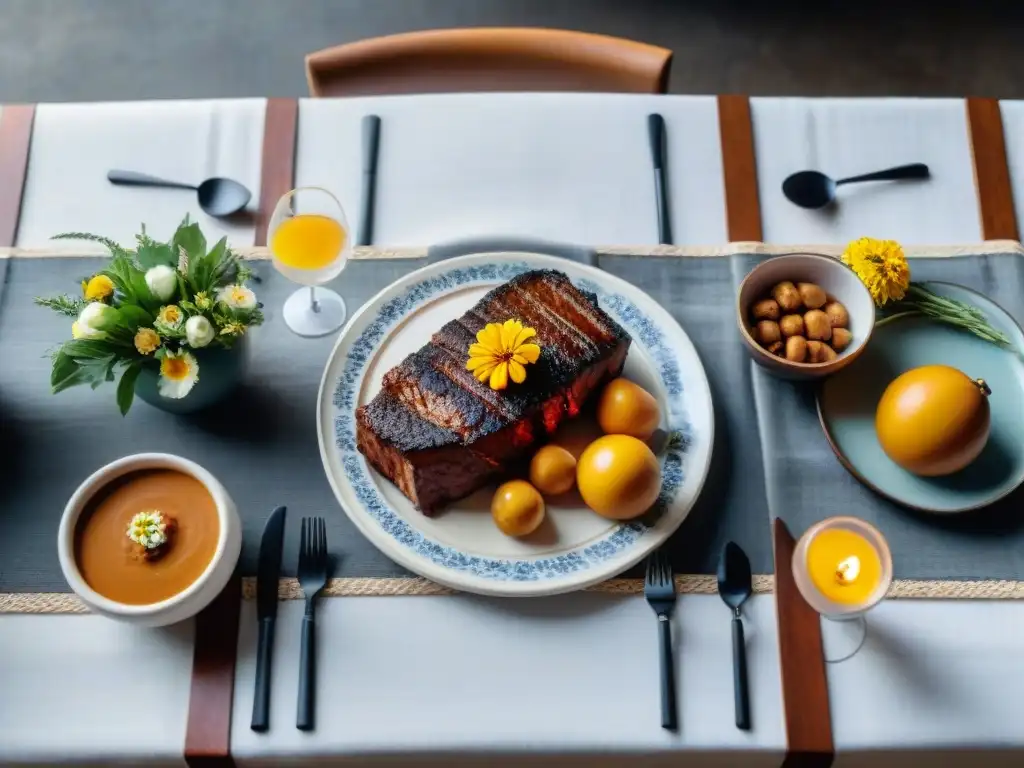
(85, 689)
(570, 167)
(848, 137)
(1013, 135)
(74, 145)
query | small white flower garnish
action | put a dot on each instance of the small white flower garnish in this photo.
(237, 297)
(848, 570)
(148, 529)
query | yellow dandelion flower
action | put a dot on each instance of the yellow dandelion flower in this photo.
(502, 352)
(98, 288)
(146, 341)
(882, 267)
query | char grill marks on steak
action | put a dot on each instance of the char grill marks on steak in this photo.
(439, 434)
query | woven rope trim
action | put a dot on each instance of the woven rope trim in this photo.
(691, 251)
(288, 589)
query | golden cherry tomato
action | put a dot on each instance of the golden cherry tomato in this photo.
(517, 508)
(618, 477)
(627, 409)
(933, 420)
(553, 470)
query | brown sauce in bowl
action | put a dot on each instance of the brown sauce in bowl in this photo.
(108, 560)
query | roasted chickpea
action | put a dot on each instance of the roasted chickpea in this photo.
(775, 348)
(767, 332)
(841, 339)
(791, 325)
(788, 297)
(796, 349)
(814, 351)
(817, 325)
(766, 309)
(837, 315)
(812, 295)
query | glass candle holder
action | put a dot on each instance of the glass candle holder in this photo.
(843, 568)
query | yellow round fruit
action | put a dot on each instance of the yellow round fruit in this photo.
(933, 420)
(553, 470)
(627, 409)
(517, 508)
(618, 477)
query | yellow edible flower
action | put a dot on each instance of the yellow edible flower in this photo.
(501, 352)
(170, 316)
(882, 267)
(232, 329)
(98, 288)
(203, 301)
(146, 341)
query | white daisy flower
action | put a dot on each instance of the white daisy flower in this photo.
(178, 374)
(237, 297)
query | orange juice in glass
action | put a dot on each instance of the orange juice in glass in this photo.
(310, 242)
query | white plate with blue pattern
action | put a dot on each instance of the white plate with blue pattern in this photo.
(461, 547)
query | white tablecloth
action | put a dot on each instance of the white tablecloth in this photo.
(422, 676)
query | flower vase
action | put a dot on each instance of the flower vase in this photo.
(220, 371)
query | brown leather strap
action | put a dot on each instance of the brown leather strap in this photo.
(991, 173)
(208, 732)
(802, 661)
(278, 175)
(15, 140)
(739, 167)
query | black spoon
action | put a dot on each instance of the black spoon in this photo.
(813, 189)
(735, 586)
(217, 197)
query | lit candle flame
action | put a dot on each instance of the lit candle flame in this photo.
(848, 570)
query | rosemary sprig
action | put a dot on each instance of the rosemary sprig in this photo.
(65, 305)
(921, 301)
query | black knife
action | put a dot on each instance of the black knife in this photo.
(656, 134)
(266, 609)
(371, 147)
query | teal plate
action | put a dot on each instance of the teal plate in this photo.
(847, 403)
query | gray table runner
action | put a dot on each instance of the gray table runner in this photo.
(263, 446)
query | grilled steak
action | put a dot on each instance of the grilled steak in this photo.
(439, 434)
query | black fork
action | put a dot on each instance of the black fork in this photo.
(660, 591)
(312, 578)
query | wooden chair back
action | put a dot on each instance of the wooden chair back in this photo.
(488, 59)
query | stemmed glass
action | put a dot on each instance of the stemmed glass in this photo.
(310, 242)
(822, 575)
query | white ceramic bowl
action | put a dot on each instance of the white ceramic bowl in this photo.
(837, 280)
(196, 596)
